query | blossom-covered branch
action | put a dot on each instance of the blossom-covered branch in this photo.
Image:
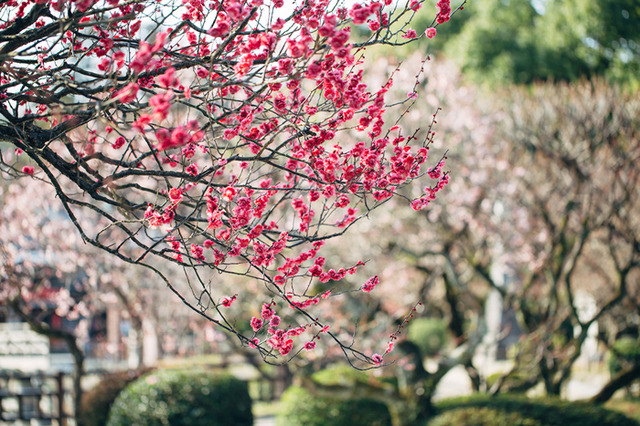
(224, 136)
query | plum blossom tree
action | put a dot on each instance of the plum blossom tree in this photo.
(213, 135)
(51, 279)
(51, 286)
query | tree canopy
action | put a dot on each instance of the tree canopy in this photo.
(506, 41)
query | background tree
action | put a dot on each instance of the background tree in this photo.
(49, 286)
(544, 181)
(502, 42)
(50, 278)
(30, 292)
(599, 37)
(588, 179)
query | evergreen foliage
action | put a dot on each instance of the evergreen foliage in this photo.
(183, 398)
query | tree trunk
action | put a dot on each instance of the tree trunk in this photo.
(551, 385)
(138, 325)
(78, 373)
(72, 344)
(622, 379)
(283, 379)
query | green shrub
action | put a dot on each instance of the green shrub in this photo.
(629, 407)
(510, 410)
(624, 353)
(97, 402)
(183, 398)
(429, 334)
(481, 416)
(341, 375)
(300, 408)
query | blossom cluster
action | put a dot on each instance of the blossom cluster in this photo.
(232, 137)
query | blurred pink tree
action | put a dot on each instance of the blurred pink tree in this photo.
(540, 211)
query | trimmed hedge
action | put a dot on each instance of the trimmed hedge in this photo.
(300, 408)
(429, 334)
(482, 416)
(511, 410)
(343, 375)
(183, 398)
(624, 353)
(97, 402)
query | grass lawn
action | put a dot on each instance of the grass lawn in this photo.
(629, 407)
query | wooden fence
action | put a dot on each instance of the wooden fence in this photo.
(32, 398)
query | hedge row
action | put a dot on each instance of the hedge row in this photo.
(168, 397)
(183, 398)
(301, 408)
(516, 410)
(200, 397)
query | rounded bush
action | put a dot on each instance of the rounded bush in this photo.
(300, 408)
(183, 398)
(429, 334)
(481, 416)
(341, 375)
(624, 353)
(97, 402)
(510, 410)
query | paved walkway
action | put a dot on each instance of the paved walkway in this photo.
(265, 421)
